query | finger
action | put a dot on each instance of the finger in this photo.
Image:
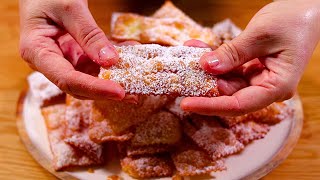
(229, 86)
(233, 54)
(74, 54)
(252, 68)
(71, 50)
(76, 18)
(133, 99)
(244, 101)
(61, 72)
(196, 43)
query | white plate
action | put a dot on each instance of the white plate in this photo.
(255, 161)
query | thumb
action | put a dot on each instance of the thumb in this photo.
(231, 55)
(80, 24)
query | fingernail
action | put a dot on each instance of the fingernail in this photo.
(213, 62)
(107, 54)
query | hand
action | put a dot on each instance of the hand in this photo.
(53, 31)
(270, 54)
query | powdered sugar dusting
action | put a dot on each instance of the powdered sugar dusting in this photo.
(41, 88)
(155, 69)
(246, 132)
(226, 30)
(174, 108)
(212, 137)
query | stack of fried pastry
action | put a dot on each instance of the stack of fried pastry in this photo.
(154, 137)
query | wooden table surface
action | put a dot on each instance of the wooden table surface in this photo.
(16, 163)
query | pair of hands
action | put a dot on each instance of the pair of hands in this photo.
(262, 65)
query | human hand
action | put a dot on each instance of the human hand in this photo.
(270, 55)
(53, 31)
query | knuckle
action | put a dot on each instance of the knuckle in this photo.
(232, 53)
(237, 108)
(64, 82)
(285, 91)
(69, 5)
(288, 92)
(25, 50)
(90, 35)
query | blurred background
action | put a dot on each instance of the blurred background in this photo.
(16, 163)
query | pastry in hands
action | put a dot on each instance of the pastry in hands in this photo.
(159, 70)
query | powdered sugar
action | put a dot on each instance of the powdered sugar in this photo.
(226, 29)
(41, 88)
(155, 69)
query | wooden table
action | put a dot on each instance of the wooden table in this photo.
(16, 163)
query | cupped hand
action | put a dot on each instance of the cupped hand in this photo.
(270, 55)
(58, 37)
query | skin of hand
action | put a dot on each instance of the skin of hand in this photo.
(266, 60)
(60, 38)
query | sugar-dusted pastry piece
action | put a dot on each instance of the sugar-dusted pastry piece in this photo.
(158, 134)
(249, 131)
(130, 150)
(113, 120)
(169, 10)
(64, 155)
(89, 148)
(226, 30)
(165, 31)
(160, 128)
(208, 134)
(159, 70)
(77, 121)
(77, 115)
(174, 108)
(147, 166)
(272, 114)
(190, 160)
(43, 91)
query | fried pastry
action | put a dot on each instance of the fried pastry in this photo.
(43, 91)
(130, 150)
(208, 134)
(158, 70)
(147, 166)
(112, 120)
(190, 160)
(64, 155)
(77, 115)
(249, 131)
(272, 114)
(169, 10)
(158, 134)
(77, 120)
(165, 31)
(160, 128)
(226, 30)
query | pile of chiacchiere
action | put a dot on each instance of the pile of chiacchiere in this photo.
(154, 137)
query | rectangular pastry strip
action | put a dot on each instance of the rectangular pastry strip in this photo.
(159, 70)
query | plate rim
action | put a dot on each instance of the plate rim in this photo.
(282, 154)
